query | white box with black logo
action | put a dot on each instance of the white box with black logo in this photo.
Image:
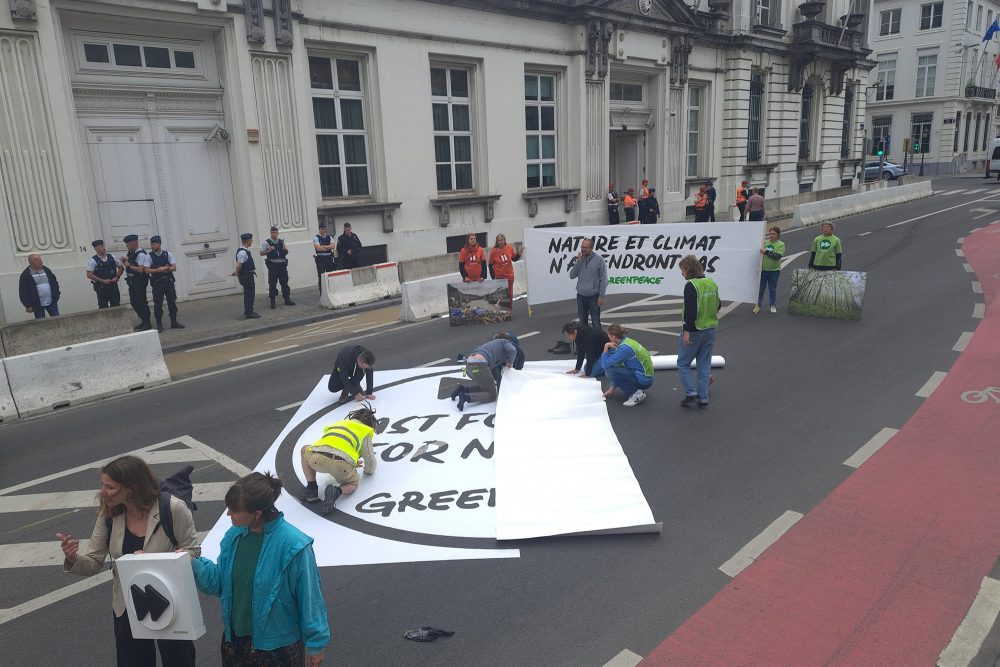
(160, 596)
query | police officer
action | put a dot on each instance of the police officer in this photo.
(612, 198)
(349, 248)
(275, 254)
(245, 272)
(137, 280)
(160, 266)
(104, 271)
(324, 246)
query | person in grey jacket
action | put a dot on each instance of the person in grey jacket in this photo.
(484, 366)
(591, 275)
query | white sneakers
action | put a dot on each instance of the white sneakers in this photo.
(773, 309)
(635, 399)
(756, 309)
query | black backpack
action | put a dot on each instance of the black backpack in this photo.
(177, 485)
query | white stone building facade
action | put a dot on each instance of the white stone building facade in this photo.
(416, 121)
(934, 88)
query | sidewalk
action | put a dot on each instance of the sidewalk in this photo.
(220, 318)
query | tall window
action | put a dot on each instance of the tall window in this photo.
(968, 124)
(696, 96)
(926, 74)
(881, 131)
(986, 132)
(847, 127)
(756, 126)
(451, 103)
(805, 123)
(958, 130)
(338, 98)
(920, 131)
(968, 15)
(975, 137)
(764, 12)
(930, 15)
(540, 128)
(979, 19)
(889, 22)
(886, 78)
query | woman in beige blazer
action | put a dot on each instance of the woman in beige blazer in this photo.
(129, 495)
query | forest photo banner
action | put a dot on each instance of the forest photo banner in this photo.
(645, 258)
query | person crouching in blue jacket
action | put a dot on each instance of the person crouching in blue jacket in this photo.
(627, 365)
(273, 610)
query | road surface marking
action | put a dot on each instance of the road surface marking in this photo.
(225, 342)
(969, 637)
(373, 326)
(650, 313)
(959, 252)
(959, 240)
(967, 267)
(870, 447)
(925, 215)
(864, 233)
(647, 299)
(173, 456)
(264, 354)
(434, 363)
(290, 406)
(528, 335)
(58, 500)
(788, 259)
(624, 659)
(937, 377)
(963, 341)
(979, 310)
(755, 547)
(972, 192)
(976, 229)
(977, 287)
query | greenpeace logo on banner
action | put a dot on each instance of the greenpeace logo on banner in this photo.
(645, 259)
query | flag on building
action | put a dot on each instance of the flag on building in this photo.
(992, 30)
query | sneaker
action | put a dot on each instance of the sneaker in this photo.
(174, 324)
(462, 400)
(756, 309)
(272, 303)
(310, 495)
(251, 316)
(145, 326)
(159, 327)
(289, 302)
(635, 399)
(773, 310)
(330, 498)
(689, 401)
(457, 391)
(702, 404)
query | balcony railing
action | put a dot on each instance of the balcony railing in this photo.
(981, 92)
(815, 32)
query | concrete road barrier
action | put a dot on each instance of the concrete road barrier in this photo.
(49, 379)
(364, 284)
(428, 297)
(51, 332)
(839, 207)
(8, 411)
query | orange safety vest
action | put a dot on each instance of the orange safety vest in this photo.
(700, 200)
(741, 195)
(629, 201)
(643, 192)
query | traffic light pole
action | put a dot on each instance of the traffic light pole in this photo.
(921, 164)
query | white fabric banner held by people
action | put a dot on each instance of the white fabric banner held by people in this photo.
(644, 258)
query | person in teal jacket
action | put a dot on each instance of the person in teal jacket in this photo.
(628, 365)
(273, 610)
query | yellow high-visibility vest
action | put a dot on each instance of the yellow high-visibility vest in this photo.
(345, 436)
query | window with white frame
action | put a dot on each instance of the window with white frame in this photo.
(886, 81)
(979, 19)
(755, 127)
(451, 104)
(889, 21)
(540, 129)
(338, 99)
(926, 74)
(920, 131)
(768, 12)
(623, 91)
(151, 56)
(931, 15)
(989, 18)
(696, 102)
(847, 124)
(881, 131)
(805, 123)
(968, 15)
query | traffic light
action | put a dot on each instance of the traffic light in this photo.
(916, 147)
(880, 148)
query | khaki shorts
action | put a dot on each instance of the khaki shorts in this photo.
(341, 470)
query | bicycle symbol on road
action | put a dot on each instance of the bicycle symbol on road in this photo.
(981, 396)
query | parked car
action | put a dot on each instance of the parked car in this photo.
(890, 170)
(993, 159)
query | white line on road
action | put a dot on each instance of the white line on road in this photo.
(786, 260)
(626, 658)
(434, 363)
(870, 447)
(977, 287)
(372, 326)
(959, 252)
(976, 229)
(959, 240)
(925, 215)
(968, 268)
(976, 625)
(53, 597)
(649, 313)
(963, 341)
(290, 406)
(755, 547)
(937, 377)
(61, 500)
(263, 354)
(225, 342)
(979, 310)
(528, 335)
(864, 233)
(972, 192)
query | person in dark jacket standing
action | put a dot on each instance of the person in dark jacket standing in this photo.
(323, 246)
(161, 266)
(649, 208)
(591, 275)
(275, 254)
(349, 248)
(245, 272)
(104, 271)
(353, 363)
(137, 280)
(589, 348)
(39, 289)
(712, 194)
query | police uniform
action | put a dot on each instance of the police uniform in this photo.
(106, 268)
(162, 285)
(245, 274)
(324, 258)
(276, 261)
(613, 218)
(137, 283)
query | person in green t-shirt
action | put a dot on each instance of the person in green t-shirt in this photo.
(770, 268)
(826, 250)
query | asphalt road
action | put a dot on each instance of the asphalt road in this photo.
(797, 398)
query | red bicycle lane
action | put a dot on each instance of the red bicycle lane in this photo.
(884, 569)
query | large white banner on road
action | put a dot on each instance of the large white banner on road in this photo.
(644, 258)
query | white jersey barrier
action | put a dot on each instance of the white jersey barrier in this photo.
(361, 285)
(8, 411)
(839, 207)
(48, 379)
(428, 297)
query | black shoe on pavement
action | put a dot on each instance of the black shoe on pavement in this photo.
(251, 316)
(272, 303)
(159, 326)
(310, 495)
(145, 326)
(330, 498)
(174, 324)
(289, 302)
(689, 401)
(702, 404)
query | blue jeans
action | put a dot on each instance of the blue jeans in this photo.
(587, 305)
(597, 370)
(768, 279)
(52, 310)
(624, 379)
(700, 350)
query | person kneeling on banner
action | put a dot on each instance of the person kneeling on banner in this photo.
(273, 611)
(628, 365)
(343, 447)
(353, 363)
(589, 347)
(485, 366)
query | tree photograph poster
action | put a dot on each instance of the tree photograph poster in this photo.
(834, 294)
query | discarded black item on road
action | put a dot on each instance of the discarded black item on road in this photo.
(426, 634)
(561, 347)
